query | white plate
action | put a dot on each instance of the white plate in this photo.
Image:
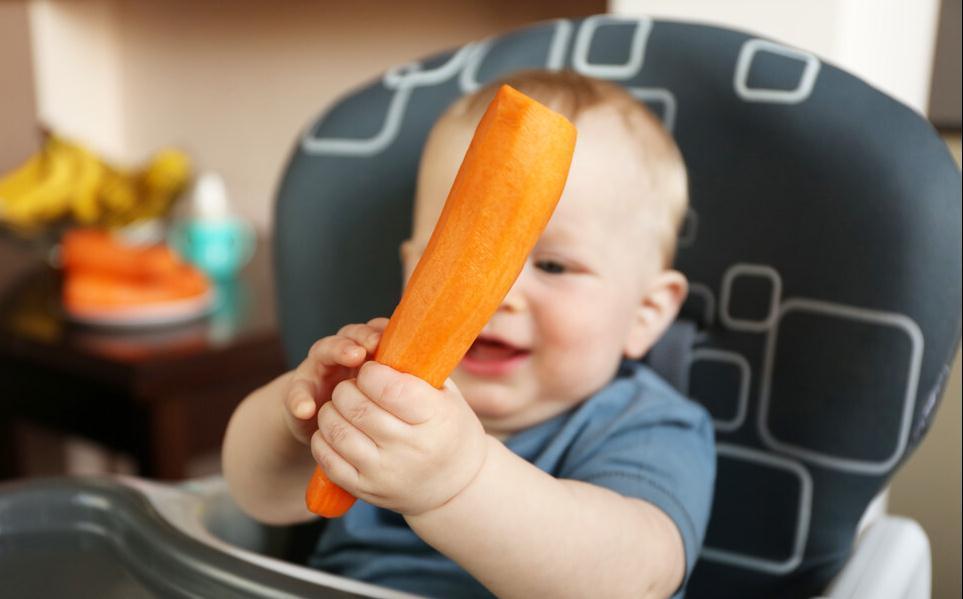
(144, 316)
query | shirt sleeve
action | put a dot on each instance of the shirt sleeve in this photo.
(650, 443)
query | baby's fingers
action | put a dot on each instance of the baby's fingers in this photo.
(367, 336)
(333, 351)
(353, 344)
(379, 323)
(300, 401)
(300, 408)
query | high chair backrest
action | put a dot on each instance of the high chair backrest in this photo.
(822, 246)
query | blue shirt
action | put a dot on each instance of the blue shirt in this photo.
(637, 436)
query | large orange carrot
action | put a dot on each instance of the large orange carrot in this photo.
(503, 196)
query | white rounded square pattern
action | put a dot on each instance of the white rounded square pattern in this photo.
(554, 58)
(636, 53)
(776, 96)
(661, 96)
(702, 291)
(402, 80)
(764, 462)
(728, 281)
(896, 322)
(741, 365)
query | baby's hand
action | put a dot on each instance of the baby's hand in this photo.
(331, 360)
(395, 441)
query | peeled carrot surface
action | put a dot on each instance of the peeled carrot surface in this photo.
(502, 198)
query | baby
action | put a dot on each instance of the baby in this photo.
(552, 463)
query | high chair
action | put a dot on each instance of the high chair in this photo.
(823, 251)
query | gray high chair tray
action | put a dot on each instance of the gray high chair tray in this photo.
(131, 538)
(108, 538)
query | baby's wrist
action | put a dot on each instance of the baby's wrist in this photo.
(467, 490)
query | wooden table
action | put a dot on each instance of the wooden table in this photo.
(162, 395)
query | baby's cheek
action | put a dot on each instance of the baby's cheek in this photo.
(578, 355)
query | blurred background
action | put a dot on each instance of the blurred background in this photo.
(198, 106)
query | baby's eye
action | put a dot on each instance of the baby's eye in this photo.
(552, 267)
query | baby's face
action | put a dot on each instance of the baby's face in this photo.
(572, 314)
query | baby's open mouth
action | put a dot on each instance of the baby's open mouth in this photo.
(492, 349)
(489, 356)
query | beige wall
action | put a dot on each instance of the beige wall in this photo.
(233, 83)
(947, 97)
(78, 60)
(18, 129)
(889, 43)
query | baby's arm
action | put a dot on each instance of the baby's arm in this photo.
(265, 456)
(265, 466)
(523, 533)
(397, 442)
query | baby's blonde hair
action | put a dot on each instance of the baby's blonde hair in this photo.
(572, 94)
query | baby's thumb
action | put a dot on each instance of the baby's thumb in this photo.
(451, 387)
(303, 409)
(300, 400)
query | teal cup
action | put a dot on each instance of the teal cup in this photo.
(218, 247)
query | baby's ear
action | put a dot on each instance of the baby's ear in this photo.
(655, 312)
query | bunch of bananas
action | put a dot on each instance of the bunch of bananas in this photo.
(66, 182)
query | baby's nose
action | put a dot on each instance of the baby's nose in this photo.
(514, 301)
